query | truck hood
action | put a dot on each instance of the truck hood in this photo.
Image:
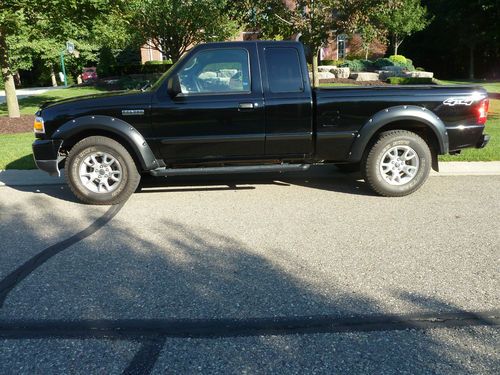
(120, 96)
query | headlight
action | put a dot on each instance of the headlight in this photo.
(38, 126)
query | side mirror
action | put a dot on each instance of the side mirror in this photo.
(174, 86)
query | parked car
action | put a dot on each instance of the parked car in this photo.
(89, 74)
(249, 107)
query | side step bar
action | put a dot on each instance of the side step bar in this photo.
(226, 170)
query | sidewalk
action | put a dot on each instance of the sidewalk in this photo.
(14, 177)
(30, 91)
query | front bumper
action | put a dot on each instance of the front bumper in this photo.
(46, 155)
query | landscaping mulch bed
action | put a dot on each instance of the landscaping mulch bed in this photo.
(21, 124)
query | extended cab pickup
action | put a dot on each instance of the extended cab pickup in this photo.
(249, 107)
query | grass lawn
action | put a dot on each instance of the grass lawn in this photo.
(29, 106)
(492, 150)
(493, 87)
(337, 85)
(15, 151)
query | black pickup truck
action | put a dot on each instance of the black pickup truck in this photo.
(249, 107)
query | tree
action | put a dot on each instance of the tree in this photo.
(28, 26)
(315, 21)
(175, 26)
(402, 18)
(462, 41)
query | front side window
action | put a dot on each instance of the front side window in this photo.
(216, 71)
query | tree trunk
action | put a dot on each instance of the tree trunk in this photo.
(396, 45)
(8, 80)
(367, 51)
(53, 76)
(79, 80)
(471, 61)
(315, 68)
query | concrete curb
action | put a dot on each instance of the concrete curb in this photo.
(15, 177)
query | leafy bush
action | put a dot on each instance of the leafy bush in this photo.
(358, 65)
(124, 70)
(398, 60)
(409, 81)
(158, 62)
(395, 60)
(328, 62)
(380, 63)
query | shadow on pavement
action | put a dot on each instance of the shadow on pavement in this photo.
(317, 177)
(183, 273)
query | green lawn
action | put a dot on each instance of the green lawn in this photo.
(30, 105)
(493, 87)
(337, 85)
(492, 150)
(15, 151)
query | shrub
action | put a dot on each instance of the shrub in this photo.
(358, 65)
(124, 70)
(380, 63)
(328, 62)
(399, 60)
(158, 62)
(409, 81)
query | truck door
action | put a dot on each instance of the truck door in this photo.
(219, 113)
(288, 98)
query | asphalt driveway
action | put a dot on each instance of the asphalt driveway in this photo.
(283, 274)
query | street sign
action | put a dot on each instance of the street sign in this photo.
(70, 47)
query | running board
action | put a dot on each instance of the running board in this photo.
(223, 170)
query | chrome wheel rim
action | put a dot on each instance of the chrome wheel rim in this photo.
(100, 172)
(399, 165)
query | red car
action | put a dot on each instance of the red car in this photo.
(89, 74)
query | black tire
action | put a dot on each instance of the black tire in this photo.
(387, 141)
(349, 168)
(124, 167)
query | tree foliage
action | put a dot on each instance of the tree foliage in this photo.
(463, 39)
(175, 26)
(42, 27)
(315, 21)
(402, 18)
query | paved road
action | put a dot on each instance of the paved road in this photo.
(277, 274)
(30, 91)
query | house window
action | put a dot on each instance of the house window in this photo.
(341, 46)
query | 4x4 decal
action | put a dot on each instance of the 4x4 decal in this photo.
(459, 101)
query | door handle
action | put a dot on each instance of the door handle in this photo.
(245, 106)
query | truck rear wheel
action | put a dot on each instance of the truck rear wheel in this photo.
(398, 163)
(101, 171)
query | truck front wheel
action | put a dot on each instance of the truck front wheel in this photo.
(101, 171)
(397, 164)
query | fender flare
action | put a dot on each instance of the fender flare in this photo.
(399, 113)
(114, 125)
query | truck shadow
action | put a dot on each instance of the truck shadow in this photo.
(154, 267)
(318, 177)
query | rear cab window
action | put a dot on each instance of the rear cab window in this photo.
(283, 70)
